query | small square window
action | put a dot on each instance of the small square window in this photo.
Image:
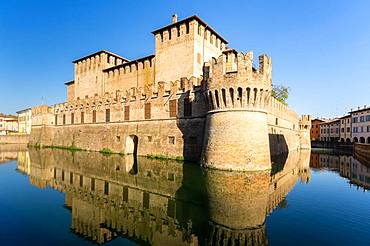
(171, 140)
(150, 138)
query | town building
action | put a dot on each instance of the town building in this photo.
(25, 121)
(193, 99)
(361, 125)
(345, 133)
(8, 124)
(329, 130)
(315, 129)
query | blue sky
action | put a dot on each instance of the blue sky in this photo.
(320, 49)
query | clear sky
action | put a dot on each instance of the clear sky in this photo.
(320, 49)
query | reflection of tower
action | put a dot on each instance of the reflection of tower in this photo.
(236, 133)
(237, 205)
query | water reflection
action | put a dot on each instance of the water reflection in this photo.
(346, 165)
(163, 202)
(8, 152)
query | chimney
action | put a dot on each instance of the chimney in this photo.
(174, 18)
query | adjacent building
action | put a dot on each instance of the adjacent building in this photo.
(345, 133)
(329, 130)
(25, 121)
(361, 125)
(315, 129)
(8, 124)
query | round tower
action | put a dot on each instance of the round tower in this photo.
(236, 133)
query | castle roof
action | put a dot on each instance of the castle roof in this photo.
(186, 20)
(69, 82)
(129, 63)
(99, 52)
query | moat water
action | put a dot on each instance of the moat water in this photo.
(57, 197)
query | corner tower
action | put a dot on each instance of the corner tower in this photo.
(182, 47)
(236, 131)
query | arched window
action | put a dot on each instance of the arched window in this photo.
(362, 140)
(355, 140)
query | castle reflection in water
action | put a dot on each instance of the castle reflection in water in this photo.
(163, 202)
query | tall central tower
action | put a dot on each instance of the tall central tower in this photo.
(182, 47)
(236, 132)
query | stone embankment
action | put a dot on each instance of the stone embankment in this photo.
(14, 139)
(362, 153)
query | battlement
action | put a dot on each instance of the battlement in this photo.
(305, 122)
(130, 66)
(231, 81)
(192, 25)
(235, 69)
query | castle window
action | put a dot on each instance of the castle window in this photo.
(81, 181)
(92, 184)
(169, 34)
(106, 188)
(56, 119)
(125, 194)
(276, 121)
(107, 115)
(187, 27)
(94, 116)
(86, 96)
(64, 119)
(55, 173)
(118, 138)
(62, 175)
(127, 112)
(178, 31)
(146, 200)
(171, 140)
(187, 107)
(147, 109)
(71, 178)
(72, 118)
(171, 176)
(150, 139)
(173, 107)
(82, 117)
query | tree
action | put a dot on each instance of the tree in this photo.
(281, 93)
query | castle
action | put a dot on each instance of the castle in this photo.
(194, 99)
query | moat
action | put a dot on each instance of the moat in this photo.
(60, 197)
